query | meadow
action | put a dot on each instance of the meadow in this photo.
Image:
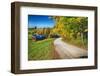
(41, 50)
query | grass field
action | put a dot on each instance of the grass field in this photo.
(40, 50)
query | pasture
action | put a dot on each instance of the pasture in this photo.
(41, 50)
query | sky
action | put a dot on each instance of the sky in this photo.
(40, 21)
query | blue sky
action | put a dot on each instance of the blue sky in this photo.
(40, 21)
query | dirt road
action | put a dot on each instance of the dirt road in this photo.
(68, 51)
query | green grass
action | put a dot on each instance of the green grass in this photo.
(40, 50)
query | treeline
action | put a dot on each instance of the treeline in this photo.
(40, 31)
(72, 29)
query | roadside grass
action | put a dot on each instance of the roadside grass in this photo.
(40, 50)
(77, 43)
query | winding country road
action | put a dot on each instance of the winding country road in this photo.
(68, 51)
